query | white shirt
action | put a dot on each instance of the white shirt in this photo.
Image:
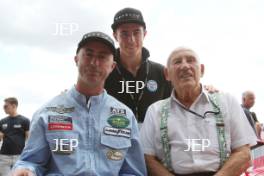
(184, 127)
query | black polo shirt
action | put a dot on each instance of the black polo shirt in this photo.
(140, 91)
(14, 129)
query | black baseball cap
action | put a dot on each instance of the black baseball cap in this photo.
(128, 15)
(97, 36)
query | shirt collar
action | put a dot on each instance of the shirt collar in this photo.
(203, 96)
(82, 99)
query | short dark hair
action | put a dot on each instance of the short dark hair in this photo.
(11, 100)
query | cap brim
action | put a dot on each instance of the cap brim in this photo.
(116, 24)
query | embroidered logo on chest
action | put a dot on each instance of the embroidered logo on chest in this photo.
(60, 122)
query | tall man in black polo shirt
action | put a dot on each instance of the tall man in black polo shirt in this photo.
(13, 131)
(136, 81)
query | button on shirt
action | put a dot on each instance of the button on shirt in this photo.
(72, 137)
(185, 128)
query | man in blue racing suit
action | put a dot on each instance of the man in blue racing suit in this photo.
(84, 131)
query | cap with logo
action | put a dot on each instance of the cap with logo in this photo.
(97, 36)
(128, 15)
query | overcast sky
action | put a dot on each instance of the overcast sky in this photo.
(37, 61)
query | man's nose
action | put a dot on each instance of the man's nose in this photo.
(131, 37)
(185, 64)
(94, 60)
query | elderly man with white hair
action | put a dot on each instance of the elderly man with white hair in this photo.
(193, 133)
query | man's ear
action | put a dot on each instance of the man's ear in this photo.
(113, 65)
(145, 33)
(166, 73)
(115, 35)
(202, 70)
(76, 59)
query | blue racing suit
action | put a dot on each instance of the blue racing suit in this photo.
(83, 136)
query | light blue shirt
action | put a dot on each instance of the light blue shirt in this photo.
(74, 135)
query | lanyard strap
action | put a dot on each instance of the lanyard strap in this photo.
(165, 113)
(135, 102)
(199, 115)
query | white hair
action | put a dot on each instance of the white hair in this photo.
(180, 49)
(246, 93)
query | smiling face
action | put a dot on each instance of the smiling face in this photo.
(183, 69)
(95, 63)
(130, 37)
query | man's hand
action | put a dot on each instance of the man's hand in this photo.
(211, 89)
(237, 163)
(155, 168)
(22, 172)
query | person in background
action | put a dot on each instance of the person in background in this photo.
(85, 131)
(248, 101)
(14, 131)
(193, 133)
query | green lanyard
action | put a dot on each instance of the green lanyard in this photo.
(165, 114)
